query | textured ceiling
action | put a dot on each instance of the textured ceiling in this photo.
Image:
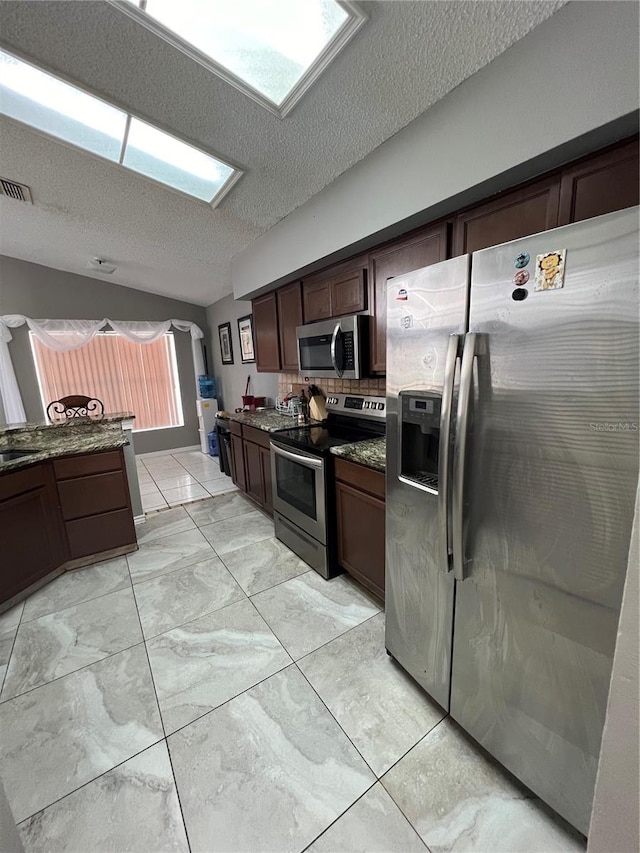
(406, 57)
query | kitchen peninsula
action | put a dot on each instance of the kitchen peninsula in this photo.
(64, 499)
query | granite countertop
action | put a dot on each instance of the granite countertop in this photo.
(51, 443)
(372, 452)
(67, 423)
(268, 420)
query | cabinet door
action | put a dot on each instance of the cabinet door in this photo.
(289, 317)
(361, 542)
(599, 185)
(425, 248)
(265, 459)
(265, 333)
(316, 299)
(253, 471)
(33, 546)
(348, 294)
(237, 463)
(525, 211)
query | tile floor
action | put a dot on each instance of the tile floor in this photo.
(173, 479)
(210, 693)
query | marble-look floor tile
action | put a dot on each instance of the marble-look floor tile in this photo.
(308, 611)
(166, 523)
(184, 494)
(206, 662)
(381, 709)
(211, 473)
(67, 732)
(183, 595)
(9, 622)
(131, 809)
(217, 509)
(459, 800)
(168, 553)
(149, 488)
(78, 586)
(263, 565)
(234, 533)
(268, 771)
(372, 825)
(62, 642)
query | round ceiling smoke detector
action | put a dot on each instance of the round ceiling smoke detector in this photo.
(101, 265)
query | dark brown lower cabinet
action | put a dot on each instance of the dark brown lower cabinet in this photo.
(62, 514)
(33, 545)
(237, 463)
(360, 509)
(257, 465)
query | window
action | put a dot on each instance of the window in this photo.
(127, 377)
(52, 106)
(272, 51)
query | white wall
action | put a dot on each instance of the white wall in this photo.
(232, 378)
(574, 73)
(616, 807)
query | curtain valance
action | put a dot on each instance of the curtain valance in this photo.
(65, 335)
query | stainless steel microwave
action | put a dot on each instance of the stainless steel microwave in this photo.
(334, 348)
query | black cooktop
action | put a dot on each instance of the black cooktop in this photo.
(319, 439)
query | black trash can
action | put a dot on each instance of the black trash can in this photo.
(224, 445)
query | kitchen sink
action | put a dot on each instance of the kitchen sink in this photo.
(11, 455)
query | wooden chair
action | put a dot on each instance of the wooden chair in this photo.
(75, 406)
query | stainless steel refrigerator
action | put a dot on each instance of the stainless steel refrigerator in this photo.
(512, 468)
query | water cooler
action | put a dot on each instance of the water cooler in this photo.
(207, 409)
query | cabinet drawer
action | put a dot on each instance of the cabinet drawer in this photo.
(235, 428)
(90, 463)
(93, 495)
(100, 533)
(361, 477)
(257, 436)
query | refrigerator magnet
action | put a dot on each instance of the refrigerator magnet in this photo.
(550, 270)
(521, 278)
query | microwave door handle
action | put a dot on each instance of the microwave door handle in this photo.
(459, 454)
(444, 474)
(334, 342)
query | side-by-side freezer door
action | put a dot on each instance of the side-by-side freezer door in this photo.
(426, 316)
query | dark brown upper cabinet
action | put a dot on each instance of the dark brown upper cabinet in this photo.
(335, 292)
(290, 316)
(600, 184)
(527, 210)
(427, 246)
(265, 333)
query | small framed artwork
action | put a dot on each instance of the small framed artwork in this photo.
(226, 347)
(245, 330)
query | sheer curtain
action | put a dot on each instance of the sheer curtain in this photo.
(64, 335)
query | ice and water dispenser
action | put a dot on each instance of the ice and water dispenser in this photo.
(420, 438)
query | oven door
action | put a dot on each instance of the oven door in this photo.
(298, 489)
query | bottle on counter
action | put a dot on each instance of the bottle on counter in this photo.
(303, 415)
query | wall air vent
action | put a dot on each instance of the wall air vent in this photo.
(18, 192)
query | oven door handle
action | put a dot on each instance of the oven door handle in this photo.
(334, 346)
(308, 461)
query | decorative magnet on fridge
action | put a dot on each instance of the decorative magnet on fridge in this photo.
(550, 270)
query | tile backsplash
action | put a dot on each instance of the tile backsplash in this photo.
(288, 382)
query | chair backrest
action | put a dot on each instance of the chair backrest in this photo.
(75, 406)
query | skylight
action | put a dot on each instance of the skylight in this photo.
(59, 109)
(273, 51)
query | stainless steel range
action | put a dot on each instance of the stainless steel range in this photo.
(302, 476)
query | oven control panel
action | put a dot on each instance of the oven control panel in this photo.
(357, 405)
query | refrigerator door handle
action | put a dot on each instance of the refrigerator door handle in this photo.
(444, 475)
(459, 454)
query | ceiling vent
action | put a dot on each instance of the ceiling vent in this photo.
(101, 265)
(18, 192)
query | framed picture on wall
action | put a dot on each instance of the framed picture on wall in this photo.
(226, 347)
(245, 330)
